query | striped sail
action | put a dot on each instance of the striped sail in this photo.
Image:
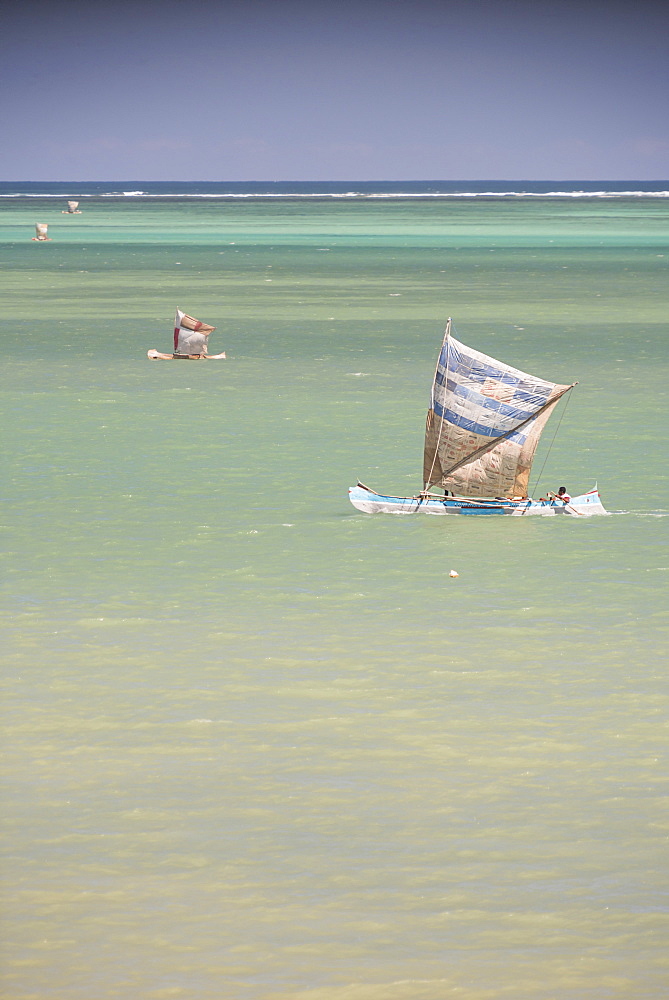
(484, 423)
(190, 335)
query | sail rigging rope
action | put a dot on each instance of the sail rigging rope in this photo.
(493, 444)
(541, 472)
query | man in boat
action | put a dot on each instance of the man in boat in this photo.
(563, 495)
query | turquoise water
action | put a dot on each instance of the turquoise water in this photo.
(259, 745)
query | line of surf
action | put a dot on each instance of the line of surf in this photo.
(360, 195)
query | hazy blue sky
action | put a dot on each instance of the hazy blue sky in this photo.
(373, 89)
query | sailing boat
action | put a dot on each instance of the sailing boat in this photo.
(72, 208)
(190, 340)
(41, 232)
(483, 426)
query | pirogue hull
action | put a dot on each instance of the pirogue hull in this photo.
(369, 502)
(157, 356)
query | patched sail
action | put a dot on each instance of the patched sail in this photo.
(484, 423)
(190, 335)
(72, 207)
(41, 231)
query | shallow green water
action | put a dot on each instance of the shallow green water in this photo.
(261, 746)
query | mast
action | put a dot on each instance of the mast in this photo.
(430, 412)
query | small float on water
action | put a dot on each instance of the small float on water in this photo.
(483, 426)
(191, 338)
(72, 208)
(41, 232)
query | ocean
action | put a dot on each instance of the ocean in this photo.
(261, 746)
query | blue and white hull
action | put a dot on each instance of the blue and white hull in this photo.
(369, 502)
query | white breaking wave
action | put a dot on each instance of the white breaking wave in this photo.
(358, 195)
(526, 194)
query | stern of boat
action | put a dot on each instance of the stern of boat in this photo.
(585, 505)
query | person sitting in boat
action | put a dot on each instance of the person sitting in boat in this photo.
(563, 495)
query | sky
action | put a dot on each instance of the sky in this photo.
(347, 90)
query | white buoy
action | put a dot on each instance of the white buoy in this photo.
(453, 573)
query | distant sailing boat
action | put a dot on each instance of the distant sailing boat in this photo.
(190, 340)
(72, 208)
(41, 232)
(483, 427)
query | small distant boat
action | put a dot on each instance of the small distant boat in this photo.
(72, 208)
(483, 426)
(190, 341)
(41, 232)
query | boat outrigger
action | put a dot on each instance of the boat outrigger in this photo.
(483, 426)
(191, 338)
